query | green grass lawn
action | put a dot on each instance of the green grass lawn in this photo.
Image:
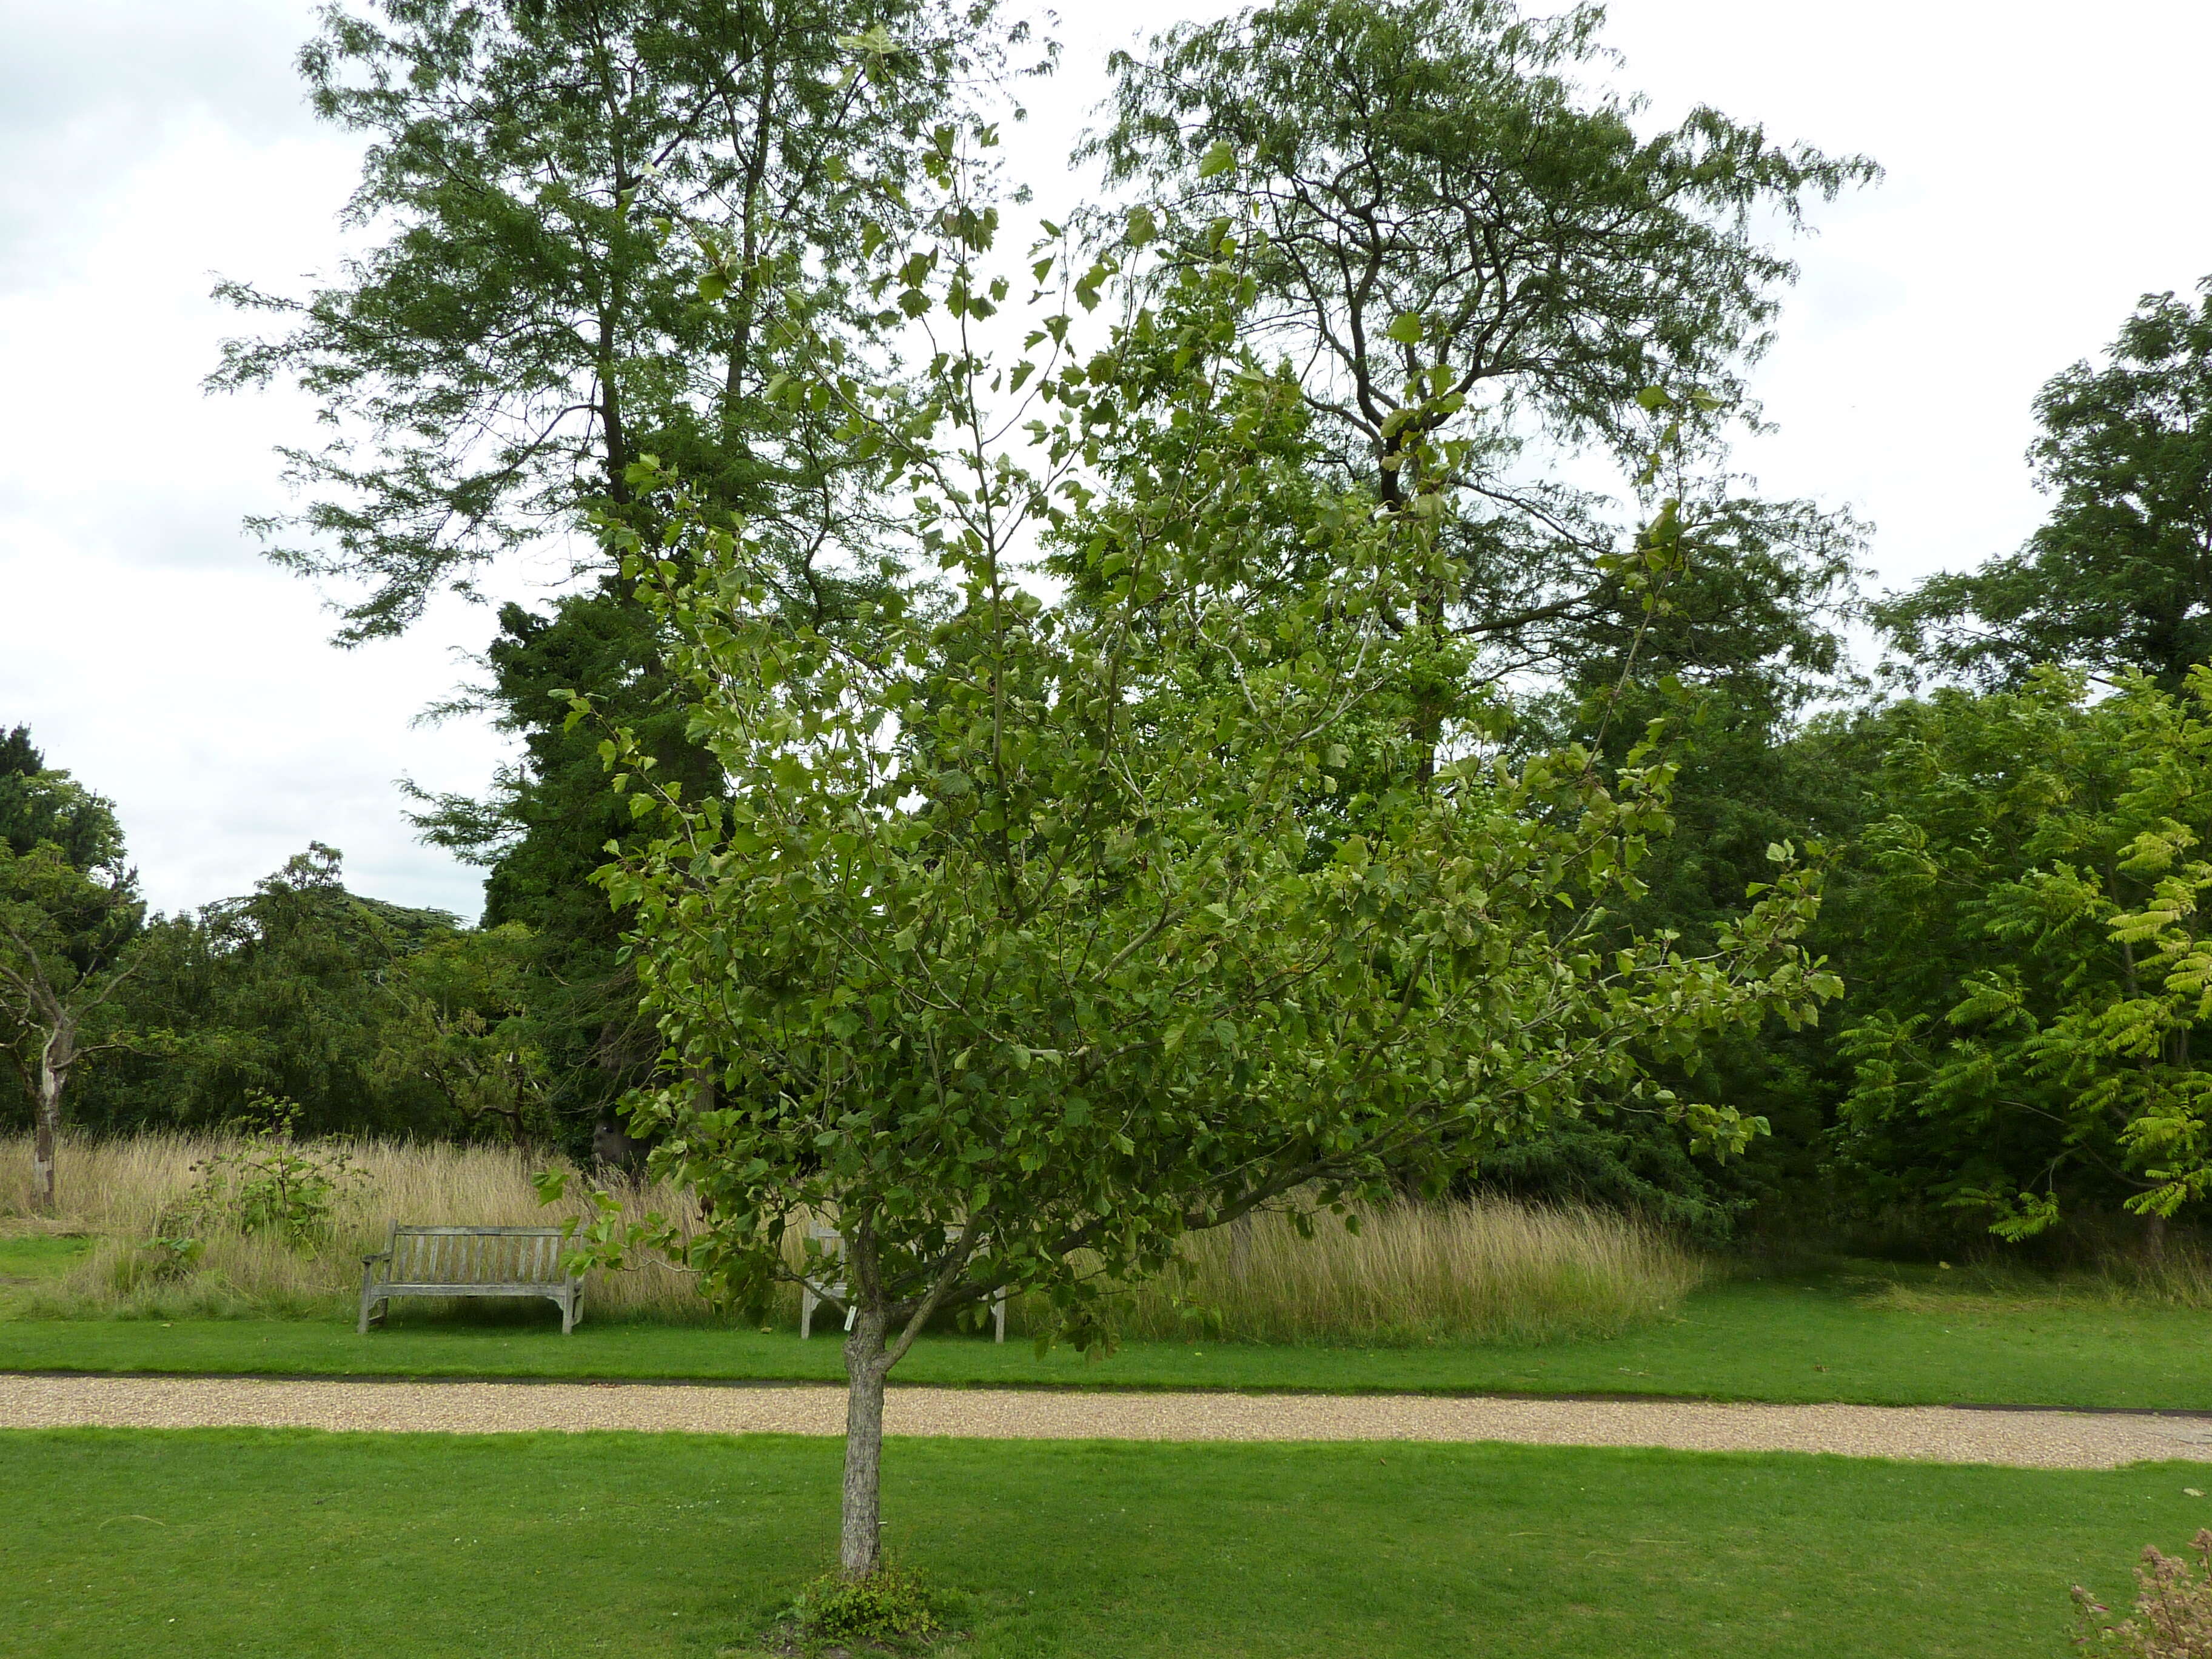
(1809, 1340)
(26, 1258)
(296, 1544)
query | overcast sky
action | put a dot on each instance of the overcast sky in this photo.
(2046, 166)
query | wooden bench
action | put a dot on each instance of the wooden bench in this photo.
(472, 1261)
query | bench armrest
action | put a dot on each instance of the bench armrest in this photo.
(371, 1260)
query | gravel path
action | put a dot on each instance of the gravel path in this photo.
(2033, 1439)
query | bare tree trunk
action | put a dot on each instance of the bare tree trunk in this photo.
(54, 1060)
(861, 1540)
(42, 1154)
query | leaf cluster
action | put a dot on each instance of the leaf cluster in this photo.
(1011, 941)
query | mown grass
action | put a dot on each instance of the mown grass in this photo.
(1410, 1274)
(302, 1545)
(1783, 1340)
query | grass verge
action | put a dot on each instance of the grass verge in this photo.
(302, 1545)
(1758, 1341)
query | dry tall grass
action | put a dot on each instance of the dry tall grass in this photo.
(120, 1188)
(1485, 1270)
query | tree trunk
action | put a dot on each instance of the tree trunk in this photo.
(2155, 1240)
(860, 1541)
(53, 1076)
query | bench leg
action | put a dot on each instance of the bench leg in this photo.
(805, 1315)
(571, 1308)
(371, 1308)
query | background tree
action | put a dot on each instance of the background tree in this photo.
(1737, 657)
(38, 804)
(1473, 262)
(69, 908)
(2022, 922)
(464, 1024)
(597, 224)
(1008, 946)
(2120, 575)
(299, 991)
(1465, 252)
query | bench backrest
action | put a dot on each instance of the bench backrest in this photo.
(476, 1255)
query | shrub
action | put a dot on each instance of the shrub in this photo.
(175, 1249)
(2172, 1613)
(268, 1182)
(888, 1606)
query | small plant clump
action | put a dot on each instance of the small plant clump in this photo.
(268, 1182)
(2173, 1612)
(175, 1248)
(889, 1607)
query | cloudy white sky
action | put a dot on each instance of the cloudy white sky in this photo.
(2045, 167)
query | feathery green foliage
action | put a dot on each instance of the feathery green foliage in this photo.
(2032, 974)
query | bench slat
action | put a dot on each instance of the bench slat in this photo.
(462, 1262)
(461, 1255)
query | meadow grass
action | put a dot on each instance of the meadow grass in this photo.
(305, 1544)
(1412, 1273)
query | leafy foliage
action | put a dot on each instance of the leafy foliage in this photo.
(463, 1022)
(597, 228)
(371, 1017)
(2120, 575)
(1464, 248)
(39, 805)
(545, 828)
(2032, 975)
(887, 1607)
(598, 218)
(269, 1182)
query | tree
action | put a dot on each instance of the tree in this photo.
(463, 1025)
(545, 826)
(297, 991)
(1464, 252)
(38, 805)
(1736, 658)
(2031, 970)
(69, 906)
(599, 224)
(1013, 943)
(599, 218)
(2119, 576)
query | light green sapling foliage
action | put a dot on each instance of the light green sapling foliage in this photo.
(1031, 929)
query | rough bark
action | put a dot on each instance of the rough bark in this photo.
(55, 1056)
(860, 1541)
(2155, 1240)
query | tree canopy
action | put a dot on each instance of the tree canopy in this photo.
(2028, 972)
(1027, 934)
(1462, 250)
(2119, 576)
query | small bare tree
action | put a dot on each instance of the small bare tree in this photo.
(61, 932)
